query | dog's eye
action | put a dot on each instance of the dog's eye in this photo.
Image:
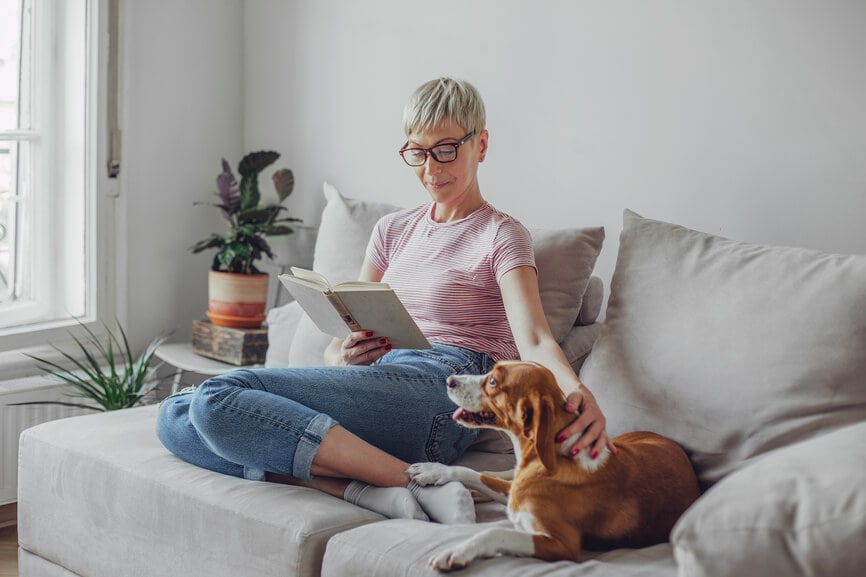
(491, 382)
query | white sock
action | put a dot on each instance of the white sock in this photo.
(392, 502)
(450, 504)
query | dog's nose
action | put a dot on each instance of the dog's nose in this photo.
(451, 382)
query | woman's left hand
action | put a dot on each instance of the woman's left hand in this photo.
(590, 422)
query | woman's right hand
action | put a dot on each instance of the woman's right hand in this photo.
(359, 348)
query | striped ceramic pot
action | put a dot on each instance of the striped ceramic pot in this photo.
(237, 300)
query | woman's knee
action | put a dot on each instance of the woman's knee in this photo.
(173, 427)
(177, 434)
(212, 393)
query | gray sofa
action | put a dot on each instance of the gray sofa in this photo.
(753, 358)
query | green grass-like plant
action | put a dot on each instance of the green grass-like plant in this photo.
(106, 374)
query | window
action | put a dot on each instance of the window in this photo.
(48, 201)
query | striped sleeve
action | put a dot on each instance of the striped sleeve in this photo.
(512, 247)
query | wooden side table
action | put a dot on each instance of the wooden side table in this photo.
(181, 357)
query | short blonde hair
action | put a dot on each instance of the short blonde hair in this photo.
(441, 101)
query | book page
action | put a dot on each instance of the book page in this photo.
(315, 303)
(320, 279)
(310, 275)
(361, 285)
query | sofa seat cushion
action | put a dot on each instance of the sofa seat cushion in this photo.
(732, 349)
(100, 496)
(399, 547)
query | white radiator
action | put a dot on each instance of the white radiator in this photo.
(14, 419)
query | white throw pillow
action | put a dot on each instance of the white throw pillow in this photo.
(283, 323)
(340, 248)
(731, 349)
(344, 233)
(800, 510)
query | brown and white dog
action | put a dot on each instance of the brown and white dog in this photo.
(558, 504)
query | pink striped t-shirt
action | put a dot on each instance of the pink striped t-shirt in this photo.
(447, 274)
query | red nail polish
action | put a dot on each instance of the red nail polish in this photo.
(368, 334)
(388, 348)
(574, 452)
(594, 455)
(560, 438)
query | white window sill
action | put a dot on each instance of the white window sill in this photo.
(16, 365)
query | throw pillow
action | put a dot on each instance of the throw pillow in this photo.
(800, 510)
(340, 248)
(720, 345)
(344, 233)
(283, 323)
(593, 298)
(565, 259)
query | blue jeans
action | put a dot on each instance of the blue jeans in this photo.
(248, 422)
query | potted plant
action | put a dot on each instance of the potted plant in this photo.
(237, 290)
(106, 376)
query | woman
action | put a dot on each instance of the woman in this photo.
(466, 273)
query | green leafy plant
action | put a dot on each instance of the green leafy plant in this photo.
(249, 220)
(106, 374)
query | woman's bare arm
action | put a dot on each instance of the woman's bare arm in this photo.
(535, 342)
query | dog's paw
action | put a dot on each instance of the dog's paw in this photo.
(430, 473)
(450, 559)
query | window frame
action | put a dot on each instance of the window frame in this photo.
(97, 223)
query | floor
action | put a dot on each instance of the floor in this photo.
(9, 552)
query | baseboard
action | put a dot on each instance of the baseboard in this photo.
(8, 515)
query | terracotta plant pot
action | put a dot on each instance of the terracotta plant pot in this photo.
(237, 300)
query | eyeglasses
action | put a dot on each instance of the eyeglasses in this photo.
(446, 152)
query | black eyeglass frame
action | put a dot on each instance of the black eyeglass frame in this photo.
(429, 151)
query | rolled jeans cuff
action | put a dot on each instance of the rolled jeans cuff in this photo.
(308, 445)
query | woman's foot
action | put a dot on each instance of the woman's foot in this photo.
(449, 504)
(392, 502)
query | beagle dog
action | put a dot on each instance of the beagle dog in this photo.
(558, 504)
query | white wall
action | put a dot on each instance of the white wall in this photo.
(743, 118)
(182, 112)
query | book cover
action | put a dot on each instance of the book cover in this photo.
(352, 306)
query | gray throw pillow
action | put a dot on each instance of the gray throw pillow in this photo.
(799, 510)
(732, 349)
(564, 259)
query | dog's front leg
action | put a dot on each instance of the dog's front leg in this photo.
(507, 475)
(439, 474)
(489, 543)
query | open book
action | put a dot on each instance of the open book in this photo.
(354, 306)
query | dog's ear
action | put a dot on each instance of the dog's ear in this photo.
(536, 412)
